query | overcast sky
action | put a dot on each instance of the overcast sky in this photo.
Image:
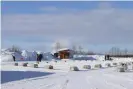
(95, 26)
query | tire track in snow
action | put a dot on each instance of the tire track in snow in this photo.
(65, 84)
(56, 85)
(90, 85)
(119, 81)
(116, 83)
(115, 86)
(95, 81)
(103, 84)
(121, 78)
(44, 86)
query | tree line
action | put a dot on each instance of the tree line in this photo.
(79, 50)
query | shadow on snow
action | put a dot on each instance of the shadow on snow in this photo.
(8, 76)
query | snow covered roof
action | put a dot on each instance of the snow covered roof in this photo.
(62, 49)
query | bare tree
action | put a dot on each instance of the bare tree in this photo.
(74, 48)
(57, 46)
(125, 51)
(114, 51)
(80, 49)
(15, 49)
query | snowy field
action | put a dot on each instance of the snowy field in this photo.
(19, 77)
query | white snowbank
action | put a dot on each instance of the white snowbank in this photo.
(6, 58)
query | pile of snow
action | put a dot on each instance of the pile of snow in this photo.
(122, 59)
(6, 58)
(99, 57)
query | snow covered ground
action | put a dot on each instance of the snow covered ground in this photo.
(19, 77)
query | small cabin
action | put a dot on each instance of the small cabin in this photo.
(63, 53)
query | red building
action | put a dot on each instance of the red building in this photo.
(64, 53)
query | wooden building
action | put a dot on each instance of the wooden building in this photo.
(64, 53)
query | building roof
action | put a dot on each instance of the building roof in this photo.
(62, 49)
